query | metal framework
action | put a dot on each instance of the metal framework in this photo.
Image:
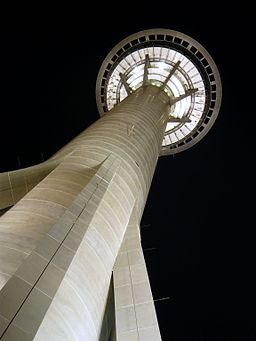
(176, 63)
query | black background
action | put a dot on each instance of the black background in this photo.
(197, 228)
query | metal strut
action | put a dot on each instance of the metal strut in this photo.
(145, 75)
(175, 67)
(126, 85)
(187, 93)
(179, 120)
(177, 99)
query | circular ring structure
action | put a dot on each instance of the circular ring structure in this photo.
(178, 64)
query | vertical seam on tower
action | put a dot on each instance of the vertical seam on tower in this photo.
(9, 178)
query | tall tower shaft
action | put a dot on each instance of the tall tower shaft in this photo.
(75, 235)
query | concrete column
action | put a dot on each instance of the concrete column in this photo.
(15, 184)
(136, 318)
(60, 241)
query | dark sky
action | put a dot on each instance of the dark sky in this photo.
(198, 215)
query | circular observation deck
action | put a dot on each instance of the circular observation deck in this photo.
(176, 63)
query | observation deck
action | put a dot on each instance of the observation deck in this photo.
(177, 64)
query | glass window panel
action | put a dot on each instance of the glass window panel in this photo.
(173, 137)
(185, 131)
(179, 134)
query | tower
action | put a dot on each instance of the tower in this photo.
(71, 257)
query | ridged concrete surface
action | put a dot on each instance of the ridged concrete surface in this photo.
(132, 134)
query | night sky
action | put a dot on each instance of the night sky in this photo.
(197, 229)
